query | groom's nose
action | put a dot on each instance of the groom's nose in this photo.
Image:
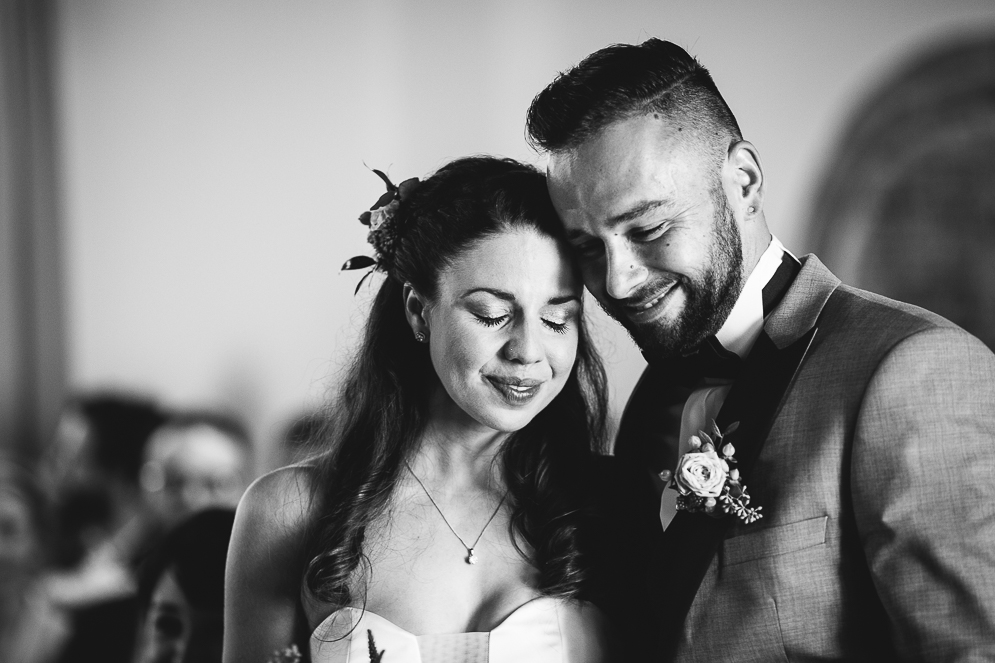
(623, 271)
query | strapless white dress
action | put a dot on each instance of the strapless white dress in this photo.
(544, 630)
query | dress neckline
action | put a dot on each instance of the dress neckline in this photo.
(358, 614)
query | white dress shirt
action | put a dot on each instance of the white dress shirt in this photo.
(738, 334)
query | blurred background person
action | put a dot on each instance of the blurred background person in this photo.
(92, 467)
(32, 628)
(907, 204)
(181, 592)
(126, 472)
(195, 460)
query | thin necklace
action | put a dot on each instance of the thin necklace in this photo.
(471, 558)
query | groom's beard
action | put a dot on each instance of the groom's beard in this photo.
(709, 297)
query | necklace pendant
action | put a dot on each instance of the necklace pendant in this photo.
(470, 558)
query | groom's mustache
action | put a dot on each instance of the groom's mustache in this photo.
(644, 297)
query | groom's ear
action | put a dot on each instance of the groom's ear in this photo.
(744, 179)
(415, 308)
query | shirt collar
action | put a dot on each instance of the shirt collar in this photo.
(746, 320)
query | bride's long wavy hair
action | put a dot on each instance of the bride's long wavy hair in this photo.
(382, 405)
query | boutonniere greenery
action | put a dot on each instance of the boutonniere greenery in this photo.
(705, 481)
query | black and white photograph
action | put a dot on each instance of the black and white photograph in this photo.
(497, 332)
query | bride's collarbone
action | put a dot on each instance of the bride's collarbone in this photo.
(421, 528)
(418, 550)
(419, 577)
(417, 574)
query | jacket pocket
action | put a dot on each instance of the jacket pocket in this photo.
(771, 541)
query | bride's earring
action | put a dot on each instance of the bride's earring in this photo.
(420, 337)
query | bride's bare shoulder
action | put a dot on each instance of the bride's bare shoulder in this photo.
(263, 573)
(279, 502)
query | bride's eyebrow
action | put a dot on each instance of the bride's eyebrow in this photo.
(563, 299)
(508, 297)
(500, 294)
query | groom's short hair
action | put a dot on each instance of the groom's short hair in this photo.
(625, 80)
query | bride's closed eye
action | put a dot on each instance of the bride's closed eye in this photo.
(558, 327)
(490, 321)
(559, 324)
(559, 319)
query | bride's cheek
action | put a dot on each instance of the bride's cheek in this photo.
(565, 357)
(560, 368)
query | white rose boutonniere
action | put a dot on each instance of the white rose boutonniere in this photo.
(706, 482)
(702, 472)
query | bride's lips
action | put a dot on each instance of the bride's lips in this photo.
(515, 391)
(647, 308)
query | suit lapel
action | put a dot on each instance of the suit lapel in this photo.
(755, 400)
(692, 540)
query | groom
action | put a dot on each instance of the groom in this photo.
(863, 427)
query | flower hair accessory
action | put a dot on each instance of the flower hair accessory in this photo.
(706, 482)
(383, 227)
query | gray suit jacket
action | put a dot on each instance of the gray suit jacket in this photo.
(875, 466)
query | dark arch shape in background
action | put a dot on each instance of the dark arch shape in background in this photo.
(906, 206)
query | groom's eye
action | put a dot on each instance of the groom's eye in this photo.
(652, 232)
(590, 249)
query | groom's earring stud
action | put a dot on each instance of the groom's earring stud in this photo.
(420, 337)
(751, 210)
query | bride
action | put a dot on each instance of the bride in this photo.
(445, 520)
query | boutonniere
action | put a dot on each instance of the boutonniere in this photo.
(706, 482)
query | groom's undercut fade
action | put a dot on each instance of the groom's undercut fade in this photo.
(625, 80)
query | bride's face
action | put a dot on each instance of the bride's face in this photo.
(503, 327)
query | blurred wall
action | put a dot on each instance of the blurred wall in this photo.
(213, 155)
(32, 345)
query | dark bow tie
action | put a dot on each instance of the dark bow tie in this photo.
(711, 361)
(708, 361)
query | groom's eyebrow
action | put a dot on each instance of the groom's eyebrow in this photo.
(634, 212)
(637, 210)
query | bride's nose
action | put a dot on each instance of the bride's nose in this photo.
(524, 345)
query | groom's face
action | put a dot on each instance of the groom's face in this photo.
(647, 216)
